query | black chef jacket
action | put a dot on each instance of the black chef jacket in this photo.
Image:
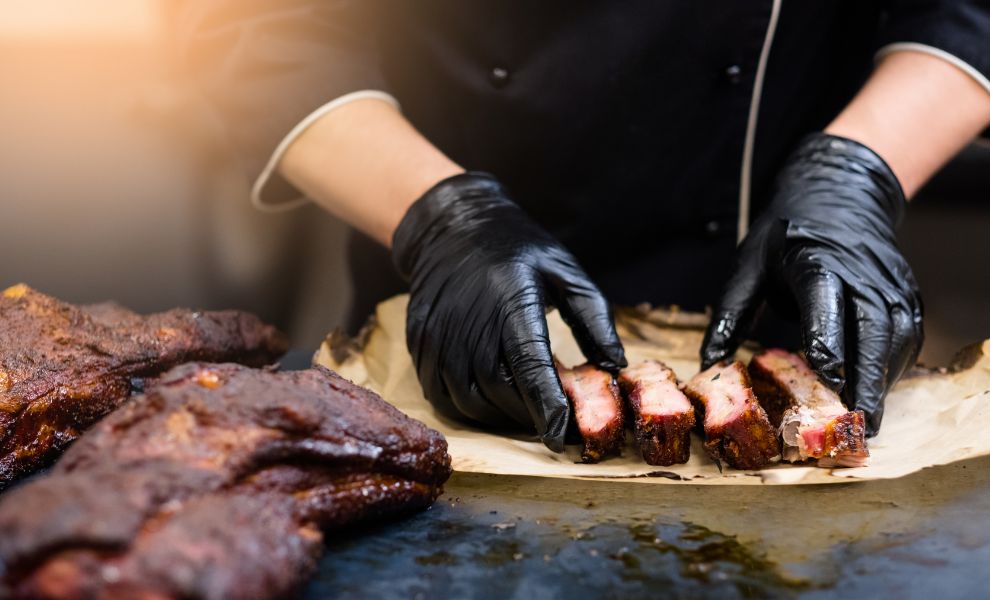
(620, 126)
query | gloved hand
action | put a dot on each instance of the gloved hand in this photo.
(482, 274)
(825, 249)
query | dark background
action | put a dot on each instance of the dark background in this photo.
(116, 182)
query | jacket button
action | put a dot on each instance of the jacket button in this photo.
(733, 73)
(498, 76)
(712, 228)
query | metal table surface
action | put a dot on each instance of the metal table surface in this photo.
(923, 536)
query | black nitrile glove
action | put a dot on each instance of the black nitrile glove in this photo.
(481, 276)
(825, 249)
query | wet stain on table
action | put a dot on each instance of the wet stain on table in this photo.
(518, 537)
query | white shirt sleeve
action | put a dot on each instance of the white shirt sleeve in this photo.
(257, 190)
(938, 53)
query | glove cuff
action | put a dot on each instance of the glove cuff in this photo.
(857, 159)
(446, 202)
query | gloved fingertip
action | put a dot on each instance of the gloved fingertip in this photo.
(598, 341)
(553, 437)
(554, 443)
(873, 424)
(618, 354)
(833, 380)
(606, 365)
(711, 354)
(551, 412)
(873, 413)
(826, 361)
(720, 339)
(612, 359)
(830, 376)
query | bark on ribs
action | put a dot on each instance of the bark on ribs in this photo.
(736, 427)
(217, 483)
(662, 415)
(597, 410)
(813, 422)
(63, 367)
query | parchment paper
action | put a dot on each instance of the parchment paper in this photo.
(932, 417)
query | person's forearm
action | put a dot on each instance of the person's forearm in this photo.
(366, 164)
(916, 111)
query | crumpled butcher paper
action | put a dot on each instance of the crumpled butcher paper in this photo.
(932, 417)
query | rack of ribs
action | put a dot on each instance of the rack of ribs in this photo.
(662, 415)
(220, 482)
(63, 367)
(813, 422)
(597, 410)
(737, 429)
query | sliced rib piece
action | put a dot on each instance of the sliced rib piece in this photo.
(597, 410)
(662, 414)
(217, 483)
(62, 367)
(812, 420)
(736, 427)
